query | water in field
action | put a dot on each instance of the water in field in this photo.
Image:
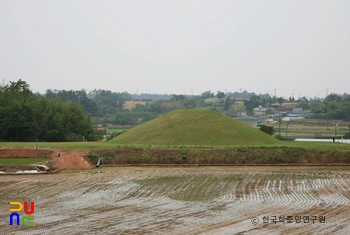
(183, 200)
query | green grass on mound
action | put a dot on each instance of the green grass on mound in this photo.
(194, 127)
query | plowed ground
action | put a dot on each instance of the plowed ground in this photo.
(181, 200)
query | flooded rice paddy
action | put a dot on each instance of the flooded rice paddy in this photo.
(182, 200)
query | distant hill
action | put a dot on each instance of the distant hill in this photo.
(194, 127)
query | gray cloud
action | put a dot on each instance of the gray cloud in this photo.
(297, 47)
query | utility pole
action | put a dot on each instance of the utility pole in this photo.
(279, 123)
(335, 130)
(324, 109)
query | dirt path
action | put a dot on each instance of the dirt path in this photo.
(72, 160)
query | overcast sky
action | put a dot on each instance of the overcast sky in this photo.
(299, 47)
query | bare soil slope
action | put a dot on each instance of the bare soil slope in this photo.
(72, 160)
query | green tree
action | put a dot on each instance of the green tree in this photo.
(317, 107)
(304, 104)
(207, 94)
(180, 98)
(227, 103)
(16, 118)
(190, 104)
(220, 95)
(280, 100)
(253, 102)
(26, 117)
(333, 97)
(267, 129)
(265, 102)
(124, 118)
(79, 97)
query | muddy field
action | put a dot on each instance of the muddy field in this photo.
(182, 200)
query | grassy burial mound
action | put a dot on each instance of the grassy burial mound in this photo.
(194, 127)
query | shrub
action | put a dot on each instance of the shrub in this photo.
(280, 137)
(114, 134)
(347, 135)
(267, 129)
(92, 157)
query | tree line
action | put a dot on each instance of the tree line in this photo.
(25, 116)
(61, 115)
(334, 106)
(107, 107)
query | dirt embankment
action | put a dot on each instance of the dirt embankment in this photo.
(234, 156)
(67, 160)
(26, 153)
(85, 159)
